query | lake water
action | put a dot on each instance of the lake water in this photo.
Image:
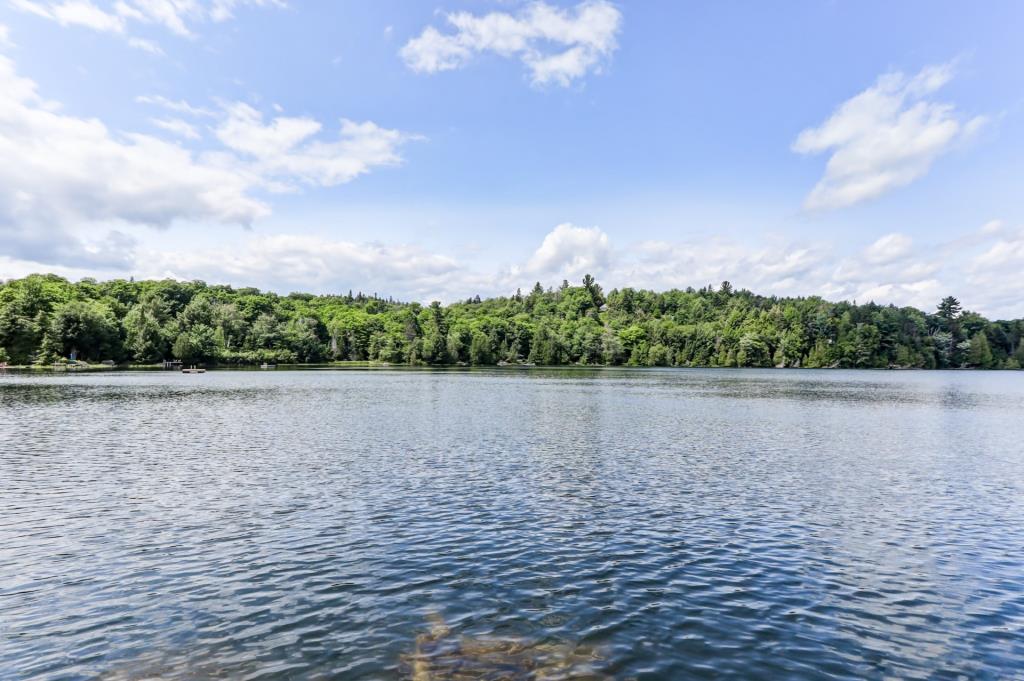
(541, 524)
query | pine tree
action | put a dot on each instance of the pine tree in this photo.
(949, 308)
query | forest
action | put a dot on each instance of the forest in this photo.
(45, 319)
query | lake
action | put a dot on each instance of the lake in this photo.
(512, 524)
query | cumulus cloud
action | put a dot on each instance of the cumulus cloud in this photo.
(983, 267)
(176, 16)
(5, 36)
(59, 171)
(883, 138)
(557, 46)
(986, 275)
(890, 269)
(568, 251)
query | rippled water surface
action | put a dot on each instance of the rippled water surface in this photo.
(616, 524)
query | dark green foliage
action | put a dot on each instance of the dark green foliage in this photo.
(44, 317)
(949, 308)
(85, 327)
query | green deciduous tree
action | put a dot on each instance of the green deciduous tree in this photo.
(980, 353)
(44, 317)
(86, 327)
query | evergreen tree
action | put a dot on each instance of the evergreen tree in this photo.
(949, 308)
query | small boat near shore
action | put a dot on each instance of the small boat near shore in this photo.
(268, 366)
(193, 370)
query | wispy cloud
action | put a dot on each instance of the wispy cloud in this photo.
(285, 148)
(178, 106)
(176, 16)
(883, 138)
(178, 127)
(557, 46)
(888, 248)
(146, 46)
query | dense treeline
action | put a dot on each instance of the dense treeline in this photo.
(44, 318)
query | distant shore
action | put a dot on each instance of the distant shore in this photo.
(47, 320)
(89, 368)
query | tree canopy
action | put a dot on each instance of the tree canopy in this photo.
(45, 317)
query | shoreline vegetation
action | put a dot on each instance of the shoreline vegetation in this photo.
(46, 320)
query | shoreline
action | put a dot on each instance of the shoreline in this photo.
(142, 368)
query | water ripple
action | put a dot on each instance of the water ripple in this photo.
(511, 525)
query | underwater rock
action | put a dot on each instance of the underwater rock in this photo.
(440, 655)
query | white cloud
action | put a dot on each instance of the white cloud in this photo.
(992, 227)
(772, 267)
(557, 46)
(883, 138)
(1008, 251)
(243, 130)
(569, 251)
(5, 36)
(61, 169)
(222, 10)
(176, 16)
(303, 262)
(996, 275)
(179, 106)
(176, 126)
(888, 248)
(146, 46)
(76, 13)
(987, 273)
(84, 13)
(60, 173)
(283, 149)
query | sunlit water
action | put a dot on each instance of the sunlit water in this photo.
(663, 524)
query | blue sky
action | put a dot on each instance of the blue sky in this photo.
(857, 150)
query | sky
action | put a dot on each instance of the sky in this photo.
(867, 151)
